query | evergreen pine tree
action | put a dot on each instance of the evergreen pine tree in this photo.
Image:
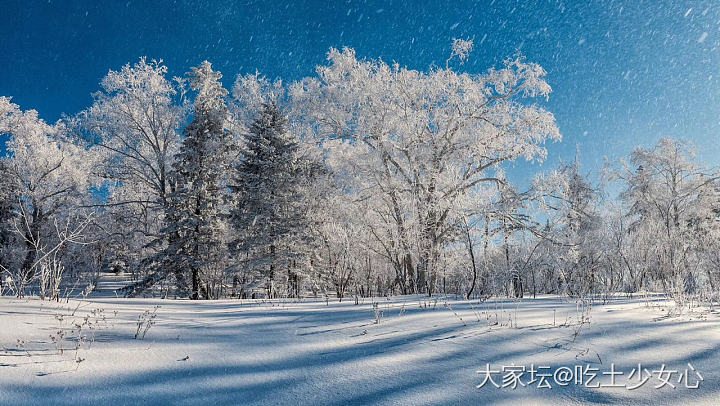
(195, 210)
(194, 214)
(271, 184)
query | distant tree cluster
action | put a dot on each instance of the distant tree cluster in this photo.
(367, 179)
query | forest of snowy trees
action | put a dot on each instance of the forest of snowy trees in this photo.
(367, 179)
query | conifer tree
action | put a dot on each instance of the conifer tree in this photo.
(195, 210)
(271, 183)
(194, 215)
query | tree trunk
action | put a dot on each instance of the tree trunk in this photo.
(472, 261)
(195, 284)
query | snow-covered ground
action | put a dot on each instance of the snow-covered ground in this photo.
(422, 351)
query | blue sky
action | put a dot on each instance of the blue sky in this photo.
(623, 73)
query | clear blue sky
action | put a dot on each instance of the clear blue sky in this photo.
(623, 73)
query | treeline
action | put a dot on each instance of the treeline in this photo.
(367, 179)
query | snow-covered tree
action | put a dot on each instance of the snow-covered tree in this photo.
(8, 201)
(272, 183)
(194, 215)
(133, 128)
(571, 204)
(48, 176)
(416, 143)
(671, 200)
